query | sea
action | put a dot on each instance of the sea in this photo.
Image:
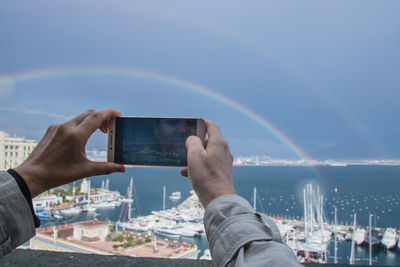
(361, 190)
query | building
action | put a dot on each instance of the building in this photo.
(44, 201)
(85, 186)
(14, 150)
(104, 196)
(91, 230)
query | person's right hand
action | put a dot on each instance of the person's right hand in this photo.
(210, 167)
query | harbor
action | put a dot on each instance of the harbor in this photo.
(319, 238)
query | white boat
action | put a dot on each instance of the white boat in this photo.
(348, 237)
(104, 205)
(126, 200)
(175, 196)
(390, 238)
(89, 209)
(58, 216)
(185, 232)
(134, 225)
(359, 236)
(70, 211)
(206, 255)
(168, 232)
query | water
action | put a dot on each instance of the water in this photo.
(361, 189)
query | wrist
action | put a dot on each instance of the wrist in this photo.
(31, 175)
(205, 200)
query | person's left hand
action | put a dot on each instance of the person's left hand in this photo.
(60, 156)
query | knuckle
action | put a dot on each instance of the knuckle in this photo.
(62, 128)
(225, 144)
(96, 115)
(91, 111)
(52, 128)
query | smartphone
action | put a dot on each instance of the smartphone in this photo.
(150, 141)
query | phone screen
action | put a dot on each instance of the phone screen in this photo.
(152, 141)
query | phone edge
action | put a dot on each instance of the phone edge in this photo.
(111, 141)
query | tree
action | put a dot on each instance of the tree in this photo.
(119, 238)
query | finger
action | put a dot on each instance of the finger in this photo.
(78, 119)
(213, 132)
(184, 172)
(105, 125)
(92, 122)
(102, 168)
(194, 148)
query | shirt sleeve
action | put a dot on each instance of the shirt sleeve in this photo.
(240, 237)
(23, 187)
(16, 221)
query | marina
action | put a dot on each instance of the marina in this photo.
(319, 237)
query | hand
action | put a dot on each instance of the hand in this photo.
(210, 168)
(60, 156)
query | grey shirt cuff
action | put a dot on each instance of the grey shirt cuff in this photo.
(16, 221)
(231, 223)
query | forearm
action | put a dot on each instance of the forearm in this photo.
(240, 237)
(16, 221)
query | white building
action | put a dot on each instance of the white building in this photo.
(84, 186)
(44, 201)
(91, 230)
(104, 196)
(14, 150)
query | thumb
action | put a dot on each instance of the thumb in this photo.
(101, 168)
(194, 147)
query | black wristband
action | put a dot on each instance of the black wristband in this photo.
(25, 191)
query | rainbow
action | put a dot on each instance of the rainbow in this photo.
(355, 124)
(165, 79)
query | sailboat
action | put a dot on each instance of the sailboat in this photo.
(389, 239)
(359, 236)
(89, 207)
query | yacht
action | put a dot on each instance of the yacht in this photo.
(390, 238)
(126, 200)
(57, 215)
(168, 232)
(89, 209)
(359, 236)
(183, 231)
(175, 196)
(134, 225)
(42, 215)
(104, 205)
(70, 211)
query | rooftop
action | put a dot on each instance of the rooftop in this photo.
(92, 223)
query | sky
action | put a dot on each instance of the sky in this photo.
(288, 79)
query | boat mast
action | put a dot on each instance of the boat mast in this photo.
(370, 239)
(88, 194)
(107, 186)
(305, 222)
(130, 197)
(352, 240)
(254, 199)
(164, 192)
(335, 235)
(73, 192)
